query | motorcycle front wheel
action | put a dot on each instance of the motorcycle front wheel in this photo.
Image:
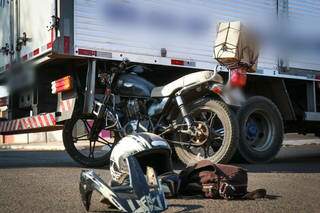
(218, 134)
(84, 151)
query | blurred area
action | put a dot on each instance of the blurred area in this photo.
(53, 141)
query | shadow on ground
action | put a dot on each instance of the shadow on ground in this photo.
(25, 159)
(301, 159)
(187, 208)
(290, 160)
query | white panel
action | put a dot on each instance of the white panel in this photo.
(35, 21)
(304, 19)
(4, 31)
(186, 28)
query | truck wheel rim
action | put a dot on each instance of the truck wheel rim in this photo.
(258, 131)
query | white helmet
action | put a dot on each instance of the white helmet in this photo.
(149, 149)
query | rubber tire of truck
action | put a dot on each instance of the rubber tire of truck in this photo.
(231, 133)
(265, 110)
(74, 153)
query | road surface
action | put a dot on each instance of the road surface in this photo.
(48, 182)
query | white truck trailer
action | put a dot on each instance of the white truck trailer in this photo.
(44, 40)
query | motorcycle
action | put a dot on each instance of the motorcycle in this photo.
(191, 113)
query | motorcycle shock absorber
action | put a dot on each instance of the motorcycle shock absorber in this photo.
(185, 114)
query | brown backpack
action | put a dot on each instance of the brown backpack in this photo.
(217, 181)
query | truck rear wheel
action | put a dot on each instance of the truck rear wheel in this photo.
(261, 130)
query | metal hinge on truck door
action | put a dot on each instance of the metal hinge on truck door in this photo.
(5, 50)
(22, 41)
(54, 24)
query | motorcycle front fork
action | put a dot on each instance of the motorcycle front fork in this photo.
(186, 117)
(99, 121)
(102, 113)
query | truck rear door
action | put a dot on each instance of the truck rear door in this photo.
(5, 44)
(35, 19)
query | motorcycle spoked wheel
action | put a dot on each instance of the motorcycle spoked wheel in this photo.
(221, 131)
(81, 149)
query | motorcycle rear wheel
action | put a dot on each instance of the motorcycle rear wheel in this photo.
(223, 136)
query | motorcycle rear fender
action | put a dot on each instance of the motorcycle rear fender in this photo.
(231, 96)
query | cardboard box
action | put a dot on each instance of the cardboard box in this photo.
(235, 44)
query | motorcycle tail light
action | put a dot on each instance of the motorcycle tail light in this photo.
(216, 89)
(238, 78)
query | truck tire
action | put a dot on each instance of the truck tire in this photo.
(261, 130)
(227, 144)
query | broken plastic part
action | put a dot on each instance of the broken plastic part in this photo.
(135, 197)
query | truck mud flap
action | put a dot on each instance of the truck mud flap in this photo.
(65, 108)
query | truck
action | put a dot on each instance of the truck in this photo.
(52, 51)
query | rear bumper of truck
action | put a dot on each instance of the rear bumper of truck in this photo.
(39, 123)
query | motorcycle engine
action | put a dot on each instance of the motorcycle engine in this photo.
(137, 120)
(133, 109)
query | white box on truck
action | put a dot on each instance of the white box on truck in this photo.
(140, 29)
(156, 32)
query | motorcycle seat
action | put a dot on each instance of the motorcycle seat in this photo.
(187, 80)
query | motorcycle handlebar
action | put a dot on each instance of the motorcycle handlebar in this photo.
(121, 67)
(124, 64)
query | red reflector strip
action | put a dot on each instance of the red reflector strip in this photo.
(35, 122)
(66, 45)
(87, 52)
(183, 63)
(177, 62)
(52, 34)
(36, 52)
(49, 45)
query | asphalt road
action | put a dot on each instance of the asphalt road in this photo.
(48, 182)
